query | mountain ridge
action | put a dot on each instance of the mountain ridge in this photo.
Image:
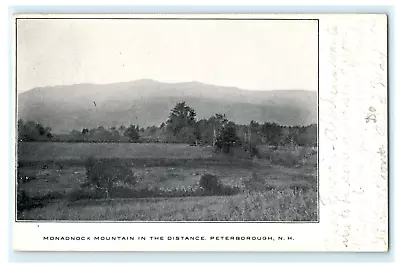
(148, 102)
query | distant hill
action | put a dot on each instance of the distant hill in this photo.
(148, 102)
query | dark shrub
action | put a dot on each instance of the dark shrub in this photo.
(210, 183)
(102, 174)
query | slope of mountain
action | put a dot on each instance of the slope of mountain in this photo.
(148, 102)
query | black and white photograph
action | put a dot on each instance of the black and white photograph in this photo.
(167, 120)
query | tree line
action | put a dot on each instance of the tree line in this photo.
(182, 127)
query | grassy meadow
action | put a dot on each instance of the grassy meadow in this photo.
(278, 185)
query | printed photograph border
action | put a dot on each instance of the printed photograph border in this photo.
(16, 19)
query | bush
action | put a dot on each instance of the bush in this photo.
(210, 183)
(103, 174)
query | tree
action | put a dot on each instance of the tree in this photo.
(121, 130)
(101, 134)
(187, 135)
(271, 133)
(114, 134)
(227, 137)
(204, 131)
(253, 133)
(217, 122)
(24, 133)
(32, 131)
(133, 133)
(152, 130)
(181, 116)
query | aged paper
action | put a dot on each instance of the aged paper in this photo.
(222, 132)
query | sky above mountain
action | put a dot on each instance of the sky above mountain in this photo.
(254, 55)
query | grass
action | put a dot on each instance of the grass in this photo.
(289, 156)
(56, 151)
(279, 186)
(274, 205)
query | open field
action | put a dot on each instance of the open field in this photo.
(32, 151)
(269, 187)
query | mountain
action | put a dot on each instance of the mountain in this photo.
(147, 102)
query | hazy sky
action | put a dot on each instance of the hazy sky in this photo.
(257, 55)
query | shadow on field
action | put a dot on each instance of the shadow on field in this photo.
(26, 202)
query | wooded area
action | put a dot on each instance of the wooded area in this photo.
(181, 127)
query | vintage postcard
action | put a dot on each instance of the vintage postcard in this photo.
(222, 132)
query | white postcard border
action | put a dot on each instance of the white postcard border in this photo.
(352, 161)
